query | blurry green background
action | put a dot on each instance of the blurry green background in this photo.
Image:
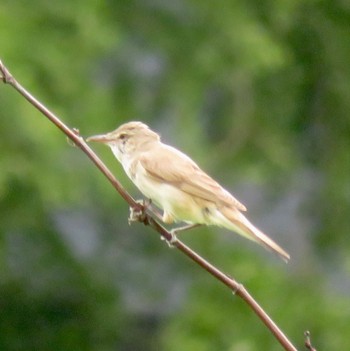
(257, 92)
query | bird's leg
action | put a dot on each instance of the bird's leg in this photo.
(175, 231)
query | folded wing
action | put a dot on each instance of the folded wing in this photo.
(174, 167)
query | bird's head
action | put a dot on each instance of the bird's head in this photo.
(128, 138)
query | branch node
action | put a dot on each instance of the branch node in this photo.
(75, 132)
(237, 289)
(5, 75)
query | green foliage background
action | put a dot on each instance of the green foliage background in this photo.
(257, 92)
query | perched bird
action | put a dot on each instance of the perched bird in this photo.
(176, 184)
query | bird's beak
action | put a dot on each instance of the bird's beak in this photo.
(102, 138)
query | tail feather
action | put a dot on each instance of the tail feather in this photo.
(242, 225)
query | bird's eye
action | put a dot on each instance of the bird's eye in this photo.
(122, 136)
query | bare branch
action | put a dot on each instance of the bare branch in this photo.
(147, 215)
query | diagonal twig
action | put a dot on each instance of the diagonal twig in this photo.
(308, 343)
(148, 215)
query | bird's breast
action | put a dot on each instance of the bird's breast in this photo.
(147, 184)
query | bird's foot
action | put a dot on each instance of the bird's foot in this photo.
(138, 214)
(173, 239)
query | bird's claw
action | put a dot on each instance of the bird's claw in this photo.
(138, 214)
(172, 240)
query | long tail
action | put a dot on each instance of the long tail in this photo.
(242, 226)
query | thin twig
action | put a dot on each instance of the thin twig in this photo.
(308, 344)
(148, 215)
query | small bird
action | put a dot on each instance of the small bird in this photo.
(175, 183)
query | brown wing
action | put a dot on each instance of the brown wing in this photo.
(173, 167)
